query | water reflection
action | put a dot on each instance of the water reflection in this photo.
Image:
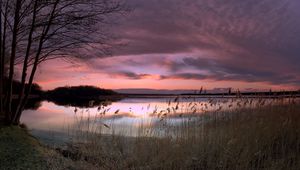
(32, 104)
(81, 102)
(123, 115)
(126, 115)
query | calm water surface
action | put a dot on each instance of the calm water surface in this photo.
(121, 117)
(129, 111)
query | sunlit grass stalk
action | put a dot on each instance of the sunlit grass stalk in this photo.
(253, 133)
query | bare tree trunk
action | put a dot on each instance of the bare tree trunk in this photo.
(25, 65)
(1, 56)
(36, 62)
(12, 61)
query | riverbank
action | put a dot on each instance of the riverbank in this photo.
(19, 150)
(264, 137)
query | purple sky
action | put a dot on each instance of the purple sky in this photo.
(192, 43)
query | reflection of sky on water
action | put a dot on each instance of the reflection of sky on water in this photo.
(124, 116)
(127, 113)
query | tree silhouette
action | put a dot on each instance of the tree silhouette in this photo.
(81, 96)
(33, 31)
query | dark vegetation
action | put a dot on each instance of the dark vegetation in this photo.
(81, 96)
(34, 97)
(77, 96)
(36, 90)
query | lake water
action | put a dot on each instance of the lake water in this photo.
(51, 121)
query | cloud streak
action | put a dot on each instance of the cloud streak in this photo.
(241, 40)
(206, 40)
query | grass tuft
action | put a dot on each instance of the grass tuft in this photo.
(250, 134)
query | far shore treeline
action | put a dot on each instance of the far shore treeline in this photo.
(81, 96)
(36, 90)
(86, 93)
(77, 96)
(89, 96)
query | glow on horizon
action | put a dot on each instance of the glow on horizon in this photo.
(185, 47)
(65, 74)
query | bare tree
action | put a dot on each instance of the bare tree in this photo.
(46, 29)
(13, 57)
(1, 63)
(3, 28)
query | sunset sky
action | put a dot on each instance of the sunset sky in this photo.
(186, 44)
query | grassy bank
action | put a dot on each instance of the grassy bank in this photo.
(18, 150)
(263, 137)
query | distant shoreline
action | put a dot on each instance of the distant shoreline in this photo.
(220, 95)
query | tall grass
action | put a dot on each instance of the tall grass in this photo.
(242, 133)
